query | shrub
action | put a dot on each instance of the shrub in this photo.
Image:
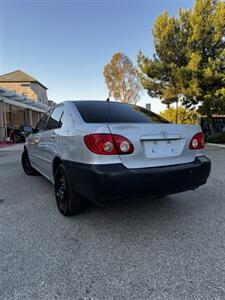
(218, 138)
(184, 116)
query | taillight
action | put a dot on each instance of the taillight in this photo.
(197, 142)
(108, 144)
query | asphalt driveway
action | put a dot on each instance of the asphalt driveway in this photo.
(167, 248)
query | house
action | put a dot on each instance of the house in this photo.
(23, 101)
(26, 85)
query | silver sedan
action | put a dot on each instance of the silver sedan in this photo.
(107, 151)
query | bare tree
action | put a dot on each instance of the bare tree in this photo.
(122, 79)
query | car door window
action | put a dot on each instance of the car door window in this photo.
(54, 120)
(42, 123)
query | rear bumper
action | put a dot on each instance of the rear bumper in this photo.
(107, 183)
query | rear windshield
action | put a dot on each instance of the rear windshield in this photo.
(114, 112)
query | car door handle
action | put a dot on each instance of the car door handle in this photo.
(53, 136)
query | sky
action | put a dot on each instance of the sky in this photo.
(66, 43)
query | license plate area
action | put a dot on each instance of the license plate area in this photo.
(163, 148)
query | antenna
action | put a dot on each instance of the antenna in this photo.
(108, 99)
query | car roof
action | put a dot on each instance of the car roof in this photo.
(96, 101)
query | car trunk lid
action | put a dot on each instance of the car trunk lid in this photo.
(156, 144)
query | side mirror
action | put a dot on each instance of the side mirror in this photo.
(34, 130)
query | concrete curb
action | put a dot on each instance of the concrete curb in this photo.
(216, 145)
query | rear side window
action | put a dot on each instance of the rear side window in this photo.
(55, 119)
(42, 123)
(114, 112)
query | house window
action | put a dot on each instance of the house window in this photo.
(25, 84)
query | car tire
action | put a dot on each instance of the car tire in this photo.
(68, 201)
(28, 169)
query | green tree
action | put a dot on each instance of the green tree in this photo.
(180, 115)
(122, 79)
(189, 63)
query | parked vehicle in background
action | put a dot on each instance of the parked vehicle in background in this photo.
(16, 135)
(106, 151)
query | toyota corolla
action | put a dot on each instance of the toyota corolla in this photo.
(107, 151)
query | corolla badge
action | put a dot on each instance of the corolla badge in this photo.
(164, 134)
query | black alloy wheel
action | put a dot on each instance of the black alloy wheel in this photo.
(28, 169)
(68, 201)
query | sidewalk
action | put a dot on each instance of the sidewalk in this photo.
(217, 145)
(11, 147)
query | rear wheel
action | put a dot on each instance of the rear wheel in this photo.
(28, 169)
(68, 201)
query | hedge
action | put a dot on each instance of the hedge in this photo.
(218, 138)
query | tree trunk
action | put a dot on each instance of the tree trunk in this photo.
(211, 125)
(209, 115)
(176, 111)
